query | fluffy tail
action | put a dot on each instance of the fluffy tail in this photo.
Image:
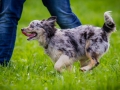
(109, 25)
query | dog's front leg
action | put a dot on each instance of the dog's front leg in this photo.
(63, 61)
(93, 62)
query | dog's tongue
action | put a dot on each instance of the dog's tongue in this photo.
(29, 35)
(24, 33)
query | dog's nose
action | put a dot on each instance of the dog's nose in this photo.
(22, 29)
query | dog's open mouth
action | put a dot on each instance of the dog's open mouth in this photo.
(30, 35)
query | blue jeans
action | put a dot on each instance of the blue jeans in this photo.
(10, 13)
(61, 8)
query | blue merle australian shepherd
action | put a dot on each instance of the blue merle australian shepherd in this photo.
(85, 43)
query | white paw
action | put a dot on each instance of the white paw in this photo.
(86, 68)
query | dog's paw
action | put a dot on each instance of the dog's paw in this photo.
(86, 68)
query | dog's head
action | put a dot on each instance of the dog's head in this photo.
(38, 28)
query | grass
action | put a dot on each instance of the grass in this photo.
(31, 69)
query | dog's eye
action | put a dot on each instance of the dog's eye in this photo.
(31, 26)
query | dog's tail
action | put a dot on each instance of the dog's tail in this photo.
(109, 25)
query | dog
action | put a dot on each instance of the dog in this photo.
(85, 43)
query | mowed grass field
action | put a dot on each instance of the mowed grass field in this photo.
(32, 69)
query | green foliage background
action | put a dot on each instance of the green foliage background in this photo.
(31, 69)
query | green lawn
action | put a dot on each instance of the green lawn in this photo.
(32, 69)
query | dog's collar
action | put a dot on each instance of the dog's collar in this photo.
(46, 46)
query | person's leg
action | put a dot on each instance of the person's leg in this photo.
(61, 8)
(10, 13)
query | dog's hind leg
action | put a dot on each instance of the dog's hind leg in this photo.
(92, 56)
(63, 61)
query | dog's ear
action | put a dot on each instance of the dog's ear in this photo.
(52, 20)
(49, 26)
